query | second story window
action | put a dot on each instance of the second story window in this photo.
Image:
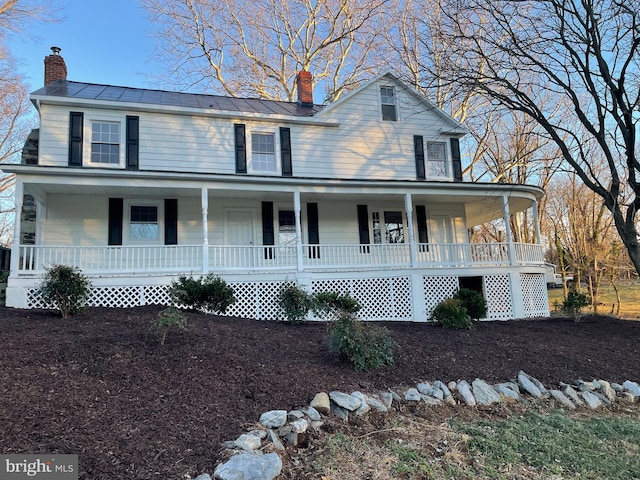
(436, 159)
(263, 152)
(388, 102)
(105, 142)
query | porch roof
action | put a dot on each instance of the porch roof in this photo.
(482, 200)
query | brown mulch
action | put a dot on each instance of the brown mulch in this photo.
(99, 385)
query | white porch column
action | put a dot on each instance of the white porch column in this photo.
(536, 221)
(296, 210)
(507, 228)
(15, 244)
(408, 206)
(205, 229)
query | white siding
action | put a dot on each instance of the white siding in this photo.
(77, 220)
(362, 147)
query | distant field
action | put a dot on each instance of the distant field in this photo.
(629, 296)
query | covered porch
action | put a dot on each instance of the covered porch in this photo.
(272, 230)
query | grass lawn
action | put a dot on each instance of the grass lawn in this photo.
(629, 296)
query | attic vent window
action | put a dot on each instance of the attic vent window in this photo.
(388, 101)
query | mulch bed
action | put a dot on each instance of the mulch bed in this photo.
(99, 385)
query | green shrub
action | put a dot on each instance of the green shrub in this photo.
(295, 303)
(365, 346)
(166, 320)
(66, 288)
(332, 303)
(473, 301)
(450, 313)
(574, 303)
(209, 294)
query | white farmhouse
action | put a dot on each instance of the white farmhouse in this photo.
(365, 196)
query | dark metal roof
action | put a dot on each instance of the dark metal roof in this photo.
(90, 91)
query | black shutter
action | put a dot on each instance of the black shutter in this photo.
(421, 220)
(76, 127)
(170, 221)
(268, 237)
(456, 160)
(418, 147)
(313, 230)
(132, 142)
(363, 227)
(241, 148)
(115, 221)
(285, 151)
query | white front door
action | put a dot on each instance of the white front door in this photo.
(238, 236)
(239, 227)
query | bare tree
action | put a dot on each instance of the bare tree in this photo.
(255, 48)
(583, 54)
(15, 121)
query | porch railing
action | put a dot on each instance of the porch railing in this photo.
(142, 260)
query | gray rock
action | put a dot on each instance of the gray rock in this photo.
(528, 386)
(437, 393)
(484, 393)
(345, 400)
(442, 387)
(229, 445)
(273, 418)
(632, 387)
(602, 397)
(248, 442)
(412, 395)
(465, 392)
(425, 388)
(338, 411)
(538, 384)
(275, 440)
(627, 397)
(591, 399)
(570, 392)
(561, 398)
(261, 434)
(362, 410)
(586, 386)
(377, 405)
(607, 390)
(249, 466)
(431, 401)
(507, 392)
(452, 386)
(386, 398)
(300, 426)
(321, 403)
(313, 414)
(617, 387)
(295, 415)
(204, 476)
(396, 397)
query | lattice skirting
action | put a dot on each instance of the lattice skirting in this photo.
(382, 298)
(534, 294)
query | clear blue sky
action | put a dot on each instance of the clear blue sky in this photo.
(102, 41)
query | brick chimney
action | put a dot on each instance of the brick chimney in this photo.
(54, 67)
(305, 88)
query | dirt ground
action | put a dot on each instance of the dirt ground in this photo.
(100, 386)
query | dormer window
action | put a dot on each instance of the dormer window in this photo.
(388, 102)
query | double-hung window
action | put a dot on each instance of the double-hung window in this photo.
(263, 152)
(437, 159)
(286, 227)
(105, 142)
(388, 102)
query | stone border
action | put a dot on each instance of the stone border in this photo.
(280, 427)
